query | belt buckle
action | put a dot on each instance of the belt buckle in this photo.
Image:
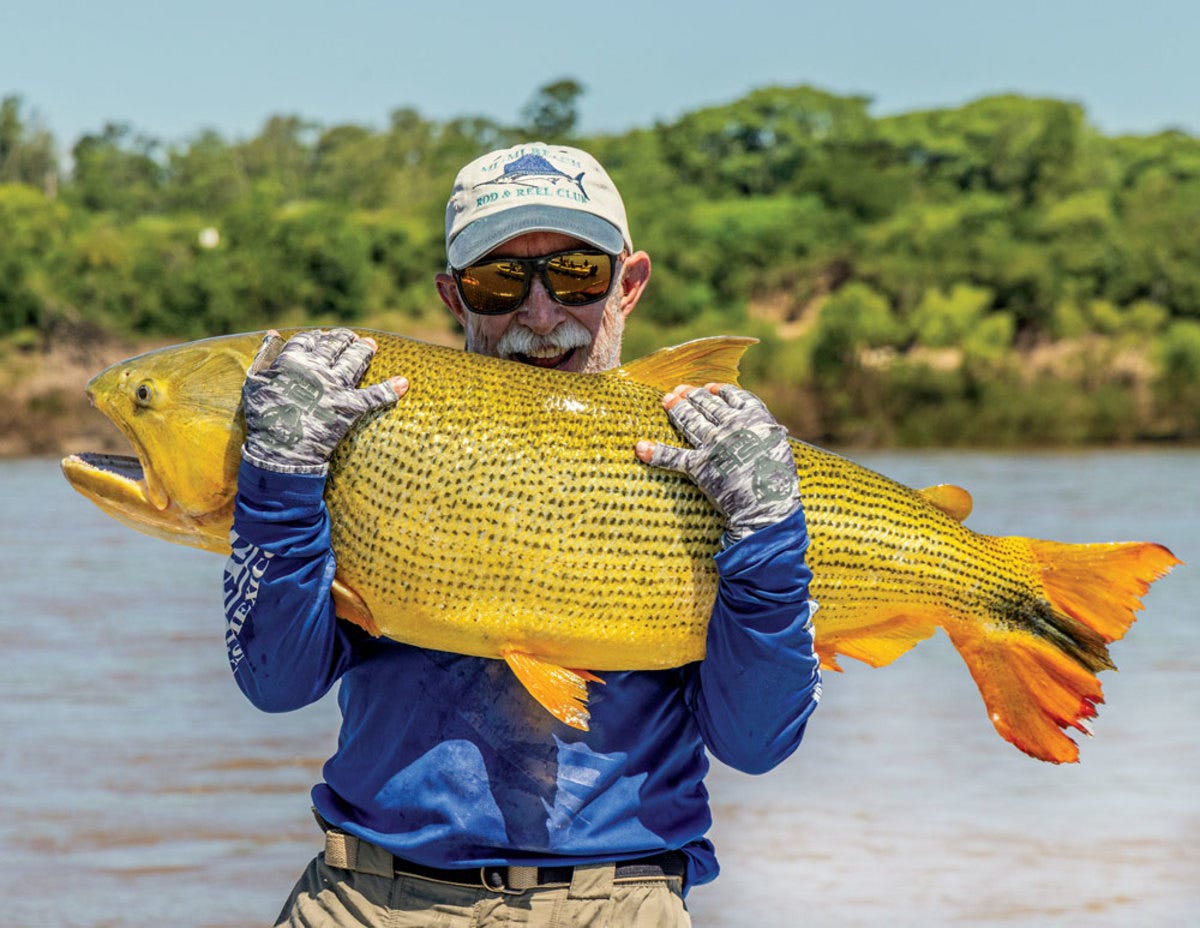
(488, 877)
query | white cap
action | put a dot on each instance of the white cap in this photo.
(533, 187)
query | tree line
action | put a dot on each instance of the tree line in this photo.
(995, 272)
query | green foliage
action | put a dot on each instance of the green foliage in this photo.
(32, 232)
(116, 171)
(903, 273)
(941, 319)
(27, 154)
(1163, 248)
(765, 142)
(553, 112)
(1178, 383)
(1029, 150)
(854, 319)
(207, 177)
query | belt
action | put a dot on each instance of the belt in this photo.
(348, 852)
(656, 866)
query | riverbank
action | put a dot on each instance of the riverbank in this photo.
(45, 409)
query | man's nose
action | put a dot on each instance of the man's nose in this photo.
(539, 313)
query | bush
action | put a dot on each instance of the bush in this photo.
(942, 319)
(32, 233)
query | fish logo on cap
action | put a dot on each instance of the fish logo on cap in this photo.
(535, 171)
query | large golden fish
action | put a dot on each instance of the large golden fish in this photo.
(498, 510)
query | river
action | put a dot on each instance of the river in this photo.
(144, 790)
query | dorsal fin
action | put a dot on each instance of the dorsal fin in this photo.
(704, 360)
(954, 501)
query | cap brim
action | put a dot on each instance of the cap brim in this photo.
(482, 235)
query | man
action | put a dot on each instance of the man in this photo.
(453, 798)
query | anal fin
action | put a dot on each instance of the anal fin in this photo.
(881, 636)
(561, 691)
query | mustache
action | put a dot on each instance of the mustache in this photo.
(570, 333)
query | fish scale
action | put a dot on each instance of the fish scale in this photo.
(499, 510)
(539, 515)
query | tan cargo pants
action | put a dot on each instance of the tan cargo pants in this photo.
(368, 893)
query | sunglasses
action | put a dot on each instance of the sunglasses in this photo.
(500, 285)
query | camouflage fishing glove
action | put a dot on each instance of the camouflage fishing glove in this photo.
(301, 398)
(740, 456)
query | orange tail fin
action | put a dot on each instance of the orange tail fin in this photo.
(1101, 585)
(1036, 668)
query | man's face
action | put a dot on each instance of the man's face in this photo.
(542, 332)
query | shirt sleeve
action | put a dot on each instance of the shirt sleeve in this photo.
(760, 680)
(285, 645)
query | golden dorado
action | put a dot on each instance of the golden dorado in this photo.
(498, 510)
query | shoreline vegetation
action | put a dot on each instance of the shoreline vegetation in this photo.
(999, 274)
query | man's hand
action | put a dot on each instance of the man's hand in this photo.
(740, 456)
(301, 398)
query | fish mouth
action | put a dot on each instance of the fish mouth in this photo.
(123, 467)
(117, 483)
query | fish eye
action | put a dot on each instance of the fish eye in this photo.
(144, 394)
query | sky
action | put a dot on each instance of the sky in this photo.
(171, 70)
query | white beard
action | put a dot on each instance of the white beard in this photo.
(601, 355)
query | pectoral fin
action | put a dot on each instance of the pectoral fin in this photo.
(350, 606)
(562, 692)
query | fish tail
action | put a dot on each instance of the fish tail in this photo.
(1101, 585)
(1036, 663)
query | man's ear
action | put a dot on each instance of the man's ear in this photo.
(635, 274)
(448, 290)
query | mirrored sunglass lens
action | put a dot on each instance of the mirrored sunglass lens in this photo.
(579, 276)
(494, 287)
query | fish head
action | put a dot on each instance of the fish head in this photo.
(180, 409)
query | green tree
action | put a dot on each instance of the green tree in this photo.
(117, 171)
(1031, 149)
(944, 320)
(281, 156)
(205, 177)
(351, 166)
(854, 319)
(761, 143)
(1162, 245)
(27, 152)
(1178, 381)
(32, 234)
(552, 113)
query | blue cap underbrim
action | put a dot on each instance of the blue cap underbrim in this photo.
(481, 236)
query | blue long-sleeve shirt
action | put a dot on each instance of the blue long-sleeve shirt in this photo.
(444, 759)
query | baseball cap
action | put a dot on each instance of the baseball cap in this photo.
(533, 187)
